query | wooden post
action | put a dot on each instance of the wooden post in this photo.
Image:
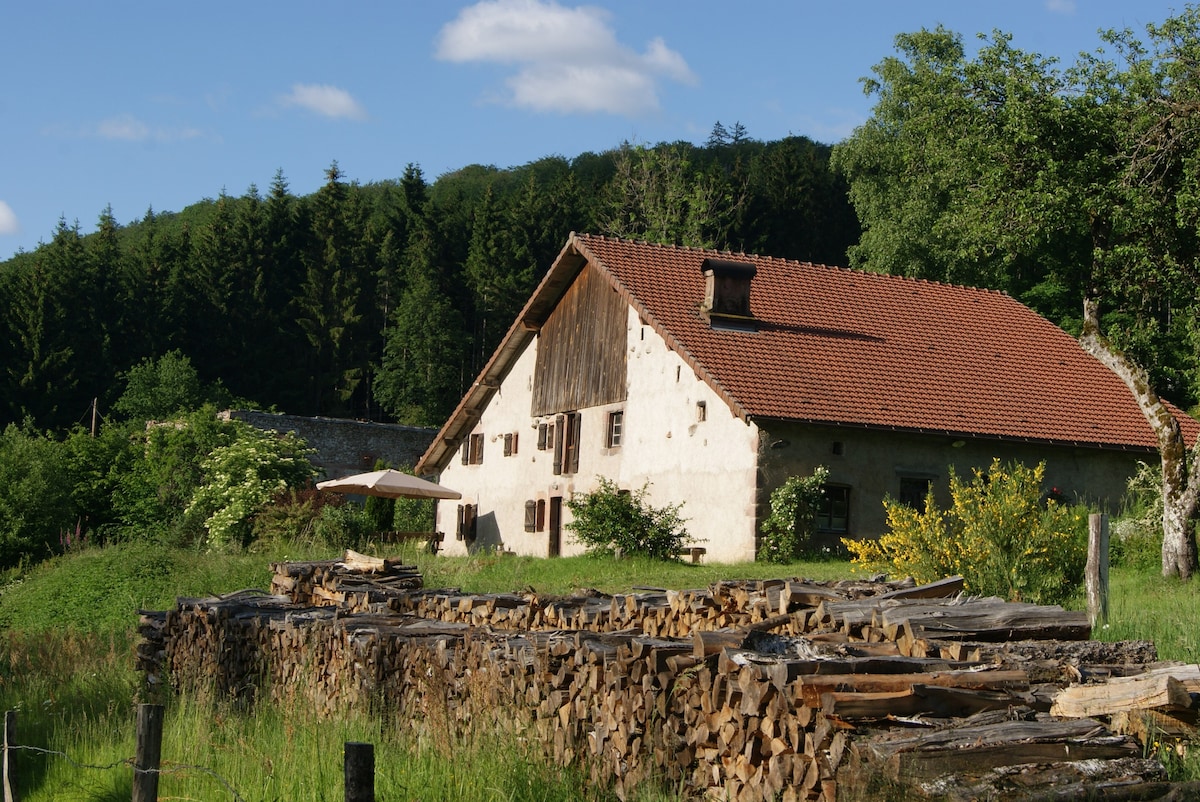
(1097, 569)
(10, 729)
(149, 752)
(360, 772)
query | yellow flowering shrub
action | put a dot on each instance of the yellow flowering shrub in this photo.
(998, 534)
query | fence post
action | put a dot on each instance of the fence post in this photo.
(1097, 569)
(10, 730)
(360, 772)
(149, 752)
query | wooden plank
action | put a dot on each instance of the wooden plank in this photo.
(812, 687)
(1154, 691)
(942, 588)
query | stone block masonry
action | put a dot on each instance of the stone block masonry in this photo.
(345, 447)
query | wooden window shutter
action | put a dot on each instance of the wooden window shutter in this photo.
(558, 446)
(573, 428)
(515, 435)
(458, 526)
(466, 451)
(541, 515)
(469, 523)
(508, 444)
(542, 437)
(531, 516)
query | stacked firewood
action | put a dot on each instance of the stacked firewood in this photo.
(744, 690)
(353, 583)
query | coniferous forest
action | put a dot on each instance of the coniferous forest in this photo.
(380, 300)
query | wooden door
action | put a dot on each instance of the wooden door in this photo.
(555, 526)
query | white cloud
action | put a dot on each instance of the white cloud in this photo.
(8, 220)
(328, 101)
(127, 128)
(1061, 6)
(569, 59)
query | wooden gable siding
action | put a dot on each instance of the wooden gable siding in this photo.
(581, 348)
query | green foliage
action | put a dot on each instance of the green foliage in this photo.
(609, 520)
(343, 526)
(154, 488)
(241, 477)
(370, 300)
(1008, 171)
(379, 510)
(290, 517)
(414, 515)
(998, 534)
(161, 388)
(787, 533)
(37, 513)
(1137, 535)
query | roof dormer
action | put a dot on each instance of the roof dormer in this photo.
(727, 293)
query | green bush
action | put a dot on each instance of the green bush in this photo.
(787, 533)
(998, 535)
(1137, 534)
(343, 526)
(151, 491)
(37, 513)
(241, 477)
(609, 520)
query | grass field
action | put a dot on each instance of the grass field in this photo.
(66, 668)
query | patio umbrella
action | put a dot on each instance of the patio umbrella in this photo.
(388, 483)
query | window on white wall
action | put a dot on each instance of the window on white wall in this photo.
(616, 428)
(472, 450)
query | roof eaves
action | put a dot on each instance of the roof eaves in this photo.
(959, 434)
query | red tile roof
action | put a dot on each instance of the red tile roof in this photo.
(844, 347)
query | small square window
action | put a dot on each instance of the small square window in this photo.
(472, 450)
(616, 428)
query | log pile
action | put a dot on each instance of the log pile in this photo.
(744, 690)
(353, 583)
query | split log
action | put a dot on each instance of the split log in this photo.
(1167, 689)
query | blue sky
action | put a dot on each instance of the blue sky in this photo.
(143, 105)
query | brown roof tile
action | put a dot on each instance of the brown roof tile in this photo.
(845, 347)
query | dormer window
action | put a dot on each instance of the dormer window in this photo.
(727, 293)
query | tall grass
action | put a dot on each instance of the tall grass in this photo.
(1143, 605)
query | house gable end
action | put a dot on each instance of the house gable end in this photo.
(581, 348)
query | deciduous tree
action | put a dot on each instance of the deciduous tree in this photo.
(1055, 185)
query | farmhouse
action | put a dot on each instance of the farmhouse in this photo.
(709, 378)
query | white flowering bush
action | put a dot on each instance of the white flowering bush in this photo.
(241, 478)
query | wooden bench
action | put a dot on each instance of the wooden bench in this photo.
(695, 552)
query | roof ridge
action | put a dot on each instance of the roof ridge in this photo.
(783, 260)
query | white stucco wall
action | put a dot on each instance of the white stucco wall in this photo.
(709, 466)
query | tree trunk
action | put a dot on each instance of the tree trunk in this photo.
(1180, 467)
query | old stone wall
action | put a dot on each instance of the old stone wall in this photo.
(345, 447)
